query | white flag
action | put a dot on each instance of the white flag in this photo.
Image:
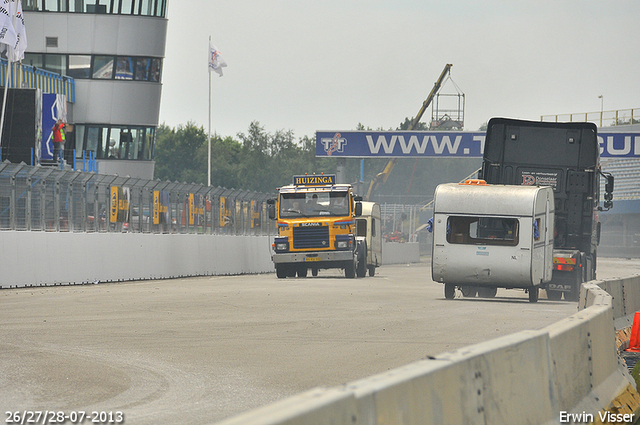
(21, 33)
(15, 37)
(215, 60)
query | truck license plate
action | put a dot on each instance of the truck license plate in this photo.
(311, 258)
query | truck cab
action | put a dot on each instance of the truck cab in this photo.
(316, 221)
(565, 157)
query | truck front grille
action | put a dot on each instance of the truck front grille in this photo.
(311, 237)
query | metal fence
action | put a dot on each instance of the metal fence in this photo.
(26, 76)
(600, 118)
(49, 199)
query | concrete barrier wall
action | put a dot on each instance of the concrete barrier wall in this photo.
(400, 253)
(49, 258)
(537, 377)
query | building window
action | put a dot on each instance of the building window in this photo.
(124, 68)
(48, 61)
(115, 142)
(122, 7)
(103, 67)
(79, 66)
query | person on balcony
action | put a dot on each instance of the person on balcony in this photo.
(58, 140)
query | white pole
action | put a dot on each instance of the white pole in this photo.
(209, 138)
(6, 90)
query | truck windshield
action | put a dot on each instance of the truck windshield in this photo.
(482, 230)
(314, 204)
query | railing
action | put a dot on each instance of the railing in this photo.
(33, 78)
(600, 118)
(50, 199)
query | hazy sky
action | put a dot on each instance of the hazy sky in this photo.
(305, 65)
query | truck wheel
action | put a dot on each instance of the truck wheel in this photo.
(533, 294)
(554, 295)
(487, 292)
(350, 269)
(361, 267)
(281, 271)
(372, 271)
(469, 291)
(574, 293)
(314, 272)
(302, 271)
(449, 291)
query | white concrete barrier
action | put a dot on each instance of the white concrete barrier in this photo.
(49, 258)
(400, 253)
(569, 372)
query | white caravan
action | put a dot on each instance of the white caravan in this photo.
(492, 236)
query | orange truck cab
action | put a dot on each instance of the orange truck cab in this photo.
(316, 219)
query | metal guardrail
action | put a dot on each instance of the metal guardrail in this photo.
(49, 199)
(34, 78)
(600, 118)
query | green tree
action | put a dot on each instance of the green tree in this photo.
(179, 154)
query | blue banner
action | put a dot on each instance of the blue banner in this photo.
(400, 144)
(49, 119)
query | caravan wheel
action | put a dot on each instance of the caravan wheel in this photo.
(533, 294)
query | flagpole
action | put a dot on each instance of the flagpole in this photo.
(209, 138)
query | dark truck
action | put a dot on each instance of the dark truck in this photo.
(565, 156)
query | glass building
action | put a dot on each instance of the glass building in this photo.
(114, 50)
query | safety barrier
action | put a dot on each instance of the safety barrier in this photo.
(51, 199)
(61, 258)
(569, 372)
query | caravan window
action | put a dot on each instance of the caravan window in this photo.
(482, 230)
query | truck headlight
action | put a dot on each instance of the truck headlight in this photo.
(344, 242)
(281, 244)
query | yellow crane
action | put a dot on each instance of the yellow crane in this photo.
(384, 175)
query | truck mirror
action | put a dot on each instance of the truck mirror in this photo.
(358, 210)
(271, 208)
(609, 186)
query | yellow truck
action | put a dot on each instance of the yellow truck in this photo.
(316, 221)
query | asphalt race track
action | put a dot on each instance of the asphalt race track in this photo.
(202, 349)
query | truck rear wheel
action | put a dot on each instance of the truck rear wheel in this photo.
(469, 291)
(361, 267)
(554, 295)
(302, 271)
(372, 271)
(487, 292)
(574, 293)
